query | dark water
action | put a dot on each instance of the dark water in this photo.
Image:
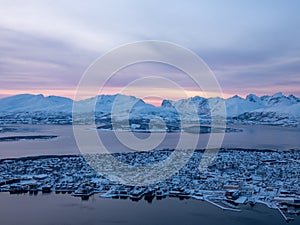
(52, 209)
(61, 209)
(253, 137)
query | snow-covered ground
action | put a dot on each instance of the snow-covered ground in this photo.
(234, 176)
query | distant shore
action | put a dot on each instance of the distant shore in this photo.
(34, 157)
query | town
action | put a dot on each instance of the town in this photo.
(235, 176)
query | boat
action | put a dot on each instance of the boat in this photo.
(70, 188)
(33, 188)
(230, 204)
(197, 195)
(17, 189)
(186, 194)
(46, 188)
(176, 191)
(110, 194)
(149, 196)
(57, 188)
(293, 211)
(161, 193)
(63, 188)
(137, 193)
(124, 192)
(84, 192)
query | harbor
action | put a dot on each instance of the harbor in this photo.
(235, 178)
(66, 209)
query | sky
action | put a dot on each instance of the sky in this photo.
(251, 46)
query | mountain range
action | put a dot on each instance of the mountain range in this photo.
(276, 109)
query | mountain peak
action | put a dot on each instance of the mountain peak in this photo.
(293, 98)
(278, 95)
(235, 97)
(166, 103)
(253, 98)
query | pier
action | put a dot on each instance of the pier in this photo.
(221, 207)
(287, 219)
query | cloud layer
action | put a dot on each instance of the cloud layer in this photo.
(251, 46)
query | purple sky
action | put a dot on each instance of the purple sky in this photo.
(252, 47)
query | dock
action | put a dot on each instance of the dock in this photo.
(221, 207)
(287, 219)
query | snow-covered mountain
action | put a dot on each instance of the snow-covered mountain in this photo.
(106, 103)
(33, 103)
(277, 109)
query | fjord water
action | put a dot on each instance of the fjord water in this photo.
(63, 209)
(47, 209)
(252, 137)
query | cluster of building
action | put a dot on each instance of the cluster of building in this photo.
(55, 118)
(233, 177)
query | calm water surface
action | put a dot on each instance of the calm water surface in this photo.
(52, 209)
(252, 137)
(61, 209)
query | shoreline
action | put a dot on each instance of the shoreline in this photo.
(237, 176)
(171, 209)
(32, 157)
(238, 209)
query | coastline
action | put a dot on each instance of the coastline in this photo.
(48, 173)
(69, 210)
(41, 156)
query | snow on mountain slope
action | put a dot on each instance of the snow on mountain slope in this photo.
(189, 105)
(276, 109)
(279, 99)
(120, 106)
(234, 105)
(237, 105)
(31, 103)
(279, 108)
(293, 109)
